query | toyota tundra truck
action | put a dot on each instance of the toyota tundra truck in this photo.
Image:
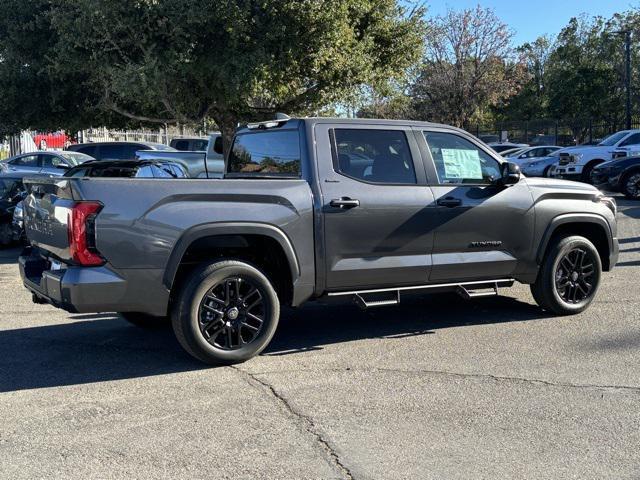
(313, 208)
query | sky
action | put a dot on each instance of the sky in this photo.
(531, 19)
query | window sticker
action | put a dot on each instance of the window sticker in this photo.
(462, 163)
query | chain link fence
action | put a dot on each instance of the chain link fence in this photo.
(550, 132)
(31, 141)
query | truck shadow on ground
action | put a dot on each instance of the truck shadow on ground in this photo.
(9, 255)
(104, 347)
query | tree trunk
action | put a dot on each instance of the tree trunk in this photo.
(227, 123)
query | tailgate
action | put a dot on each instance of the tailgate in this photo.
(46, 214)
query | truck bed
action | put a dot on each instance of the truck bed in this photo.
(142, 220)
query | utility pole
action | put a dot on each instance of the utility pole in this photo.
(627, 78)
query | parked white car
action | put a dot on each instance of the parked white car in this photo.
(542, 166)
(528, 154)
(576, 163)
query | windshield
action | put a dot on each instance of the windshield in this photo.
(75, 158)
(513, 153)
(613, 139)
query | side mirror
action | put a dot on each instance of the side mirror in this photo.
(63, 166)
(510, 173)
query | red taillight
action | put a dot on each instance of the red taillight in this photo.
(81, 233)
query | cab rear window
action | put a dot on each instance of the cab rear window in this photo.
(267, 153)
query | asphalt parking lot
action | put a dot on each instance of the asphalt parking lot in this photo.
(437, 387)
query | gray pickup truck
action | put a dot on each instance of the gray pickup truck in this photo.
(314, 208)
(207, 163)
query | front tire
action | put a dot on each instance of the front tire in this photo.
(227, 312)
(630, 185)
(586, 171)
(569, 276)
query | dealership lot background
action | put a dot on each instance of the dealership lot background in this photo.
(434, 388)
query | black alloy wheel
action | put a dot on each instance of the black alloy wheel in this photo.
(631, 185)
(232, 313)
(574, 275)
(226, 312)
(569, 276)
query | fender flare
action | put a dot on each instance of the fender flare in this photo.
(228, 229)
(563, 219)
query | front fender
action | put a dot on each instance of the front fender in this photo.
(563, 219)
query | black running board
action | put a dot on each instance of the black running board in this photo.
(391, 296)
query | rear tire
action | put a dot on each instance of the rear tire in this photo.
(144, 320)
(569, 276)
(226, 312)
(546, 172)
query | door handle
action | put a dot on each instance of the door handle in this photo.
(449, 202)
(344, 203)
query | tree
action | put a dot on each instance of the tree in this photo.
(469, 66)
(585, 71)
(531, 102)
(170, 61)
(35, 93)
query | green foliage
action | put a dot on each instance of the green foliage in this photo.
(469, 66)
(167, 61)
(578, 76)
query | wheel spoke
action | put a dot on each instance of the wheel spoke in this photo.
(211, 309)
(566, 264)
(229, 337)
(227, 292)
(212, 333)
(212, 297)
(250, 327)
(251, 293)
(254, 304)
(255, 317)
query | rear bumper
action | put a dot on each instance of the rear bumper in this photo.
(74, 289)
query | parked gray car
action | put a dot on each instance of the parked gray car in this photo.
(314, 208)
(49, 163)
(117, 150)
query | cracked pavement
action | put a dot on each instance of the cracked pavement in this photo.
(436, 387)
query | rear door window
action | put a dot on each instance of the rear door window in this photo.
(371, 155)
(268, 153)
(26, 161)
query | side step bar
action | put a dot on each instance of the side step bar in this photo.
(391, 296)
